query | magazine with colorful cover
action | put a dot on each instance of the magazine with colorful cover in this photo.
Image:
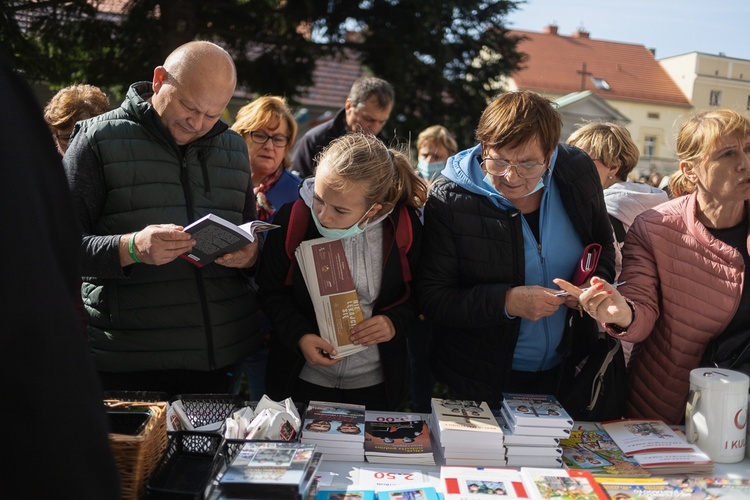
(475, 483)
(645, 436)
(653, 487)
(262, 466)
(561, 484)
(596, 452)
(396, 437)
(331, 287)
(465, 422)
(535, 410)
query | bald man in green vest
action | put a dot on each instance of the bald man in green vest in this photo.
(138, 175)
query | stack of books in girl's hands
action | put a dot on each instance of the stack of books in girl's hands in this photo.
(337, 429)
(534, 425)
(466, 433)
(658, 448)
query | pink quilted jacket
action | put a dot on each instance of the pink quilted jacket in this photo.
(686, 287)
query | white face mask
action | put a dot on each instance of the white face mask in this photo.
(430, 170)
(539, 184)
(338, 234)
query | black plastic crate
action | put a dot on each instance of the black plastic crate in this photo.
(188, 466)
(204, 409)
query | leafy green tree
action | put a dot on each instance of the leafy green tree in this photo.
(430, 50)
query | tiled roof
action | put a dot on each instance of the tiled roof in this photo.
(333, 78)
(555, 63)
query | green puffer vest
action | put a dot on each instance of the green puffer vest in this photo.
(174, 316)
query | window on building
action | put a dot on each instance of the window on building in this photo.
(649, 146)
(715, 98)
(653, 116)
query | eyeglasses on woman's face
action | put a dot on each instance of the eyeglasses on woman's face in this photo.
(278, 140)
(501, 168)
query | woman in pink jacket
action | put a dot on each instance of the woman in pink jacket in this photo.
(685, 301)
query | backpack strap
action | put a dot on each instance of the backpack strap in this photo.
(299, 219)
(404, 237)
(619, 228)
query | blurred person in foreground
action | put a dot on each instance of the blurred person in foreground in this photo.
(72, 104)
(615, 155)
(269, 130)
(434, 146)
(505, 218)
(138, 175)
(685, 265)
(52, 400)
(366, 110)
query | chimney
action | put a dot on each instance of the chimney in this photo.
(550, 29)
(581, 33)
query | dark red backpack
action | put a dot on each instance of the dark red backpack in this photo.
(299, 219)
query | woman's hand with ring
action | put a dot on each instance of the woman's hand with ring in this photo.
(601, 301)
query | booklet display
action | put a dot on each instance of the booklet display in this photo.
(331, 287)
(216, 236)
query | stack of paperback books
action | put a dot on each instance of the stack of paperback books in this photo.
(271, 470)
(337, 429)
(466, 433)
(536, 423)
(396, 437)
(658, 448)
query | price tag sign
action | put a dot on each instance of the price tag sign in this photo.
(387, 478)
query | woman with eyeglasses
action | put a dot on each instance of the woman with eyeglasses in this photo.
(508, 216)
(70, 105)
(270, 130)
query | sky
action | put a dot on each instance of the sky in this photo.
(672, 27)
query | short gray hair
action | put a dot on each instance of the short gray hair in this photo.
(369, 86)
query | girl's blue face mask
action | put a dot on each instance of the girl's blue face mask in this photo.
(338, 234)
(430, 170)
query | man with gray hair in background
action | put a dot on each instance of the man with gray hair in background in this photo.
(366, 110)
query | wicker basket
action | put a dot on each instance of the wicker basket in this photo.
(137, 456)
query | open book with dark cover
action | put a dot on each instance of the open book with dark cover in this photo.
(216, 236)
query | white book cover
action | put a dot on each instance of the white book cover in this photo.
(550, 432)
(645, 436)
(535, 410)
(464, 421)
(512, 439)
(540, 451)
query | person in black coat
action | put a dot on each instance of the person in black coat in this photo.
(505, 218)
(55, 426)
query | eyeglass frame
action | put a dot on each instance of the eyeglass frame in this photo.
(63, 137)
(272, 138)
(521, 172)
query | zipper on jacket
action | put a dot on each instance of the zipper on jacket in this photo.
(198, 274)
(204, 171)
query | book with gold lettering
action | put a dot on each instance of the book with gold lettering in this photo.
(331, 287)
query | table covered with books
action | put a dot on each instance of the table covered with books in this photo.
(461, 450)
